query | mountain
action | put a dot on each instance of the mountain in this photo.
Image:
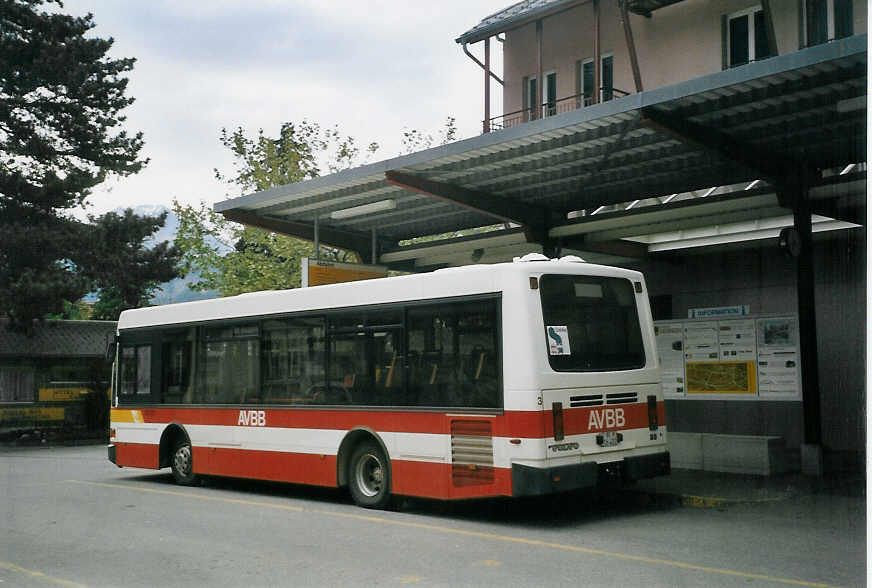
(176, 290)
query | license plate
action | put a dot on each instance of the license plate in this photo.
(610, 439)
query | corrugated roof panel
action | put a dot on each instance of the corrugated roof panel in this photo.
(602, 154)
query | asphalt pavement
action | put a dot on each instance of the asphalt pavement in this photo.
(69, 517)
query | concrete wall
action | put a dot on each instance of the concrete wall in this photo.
(677, 43)
(764, 277)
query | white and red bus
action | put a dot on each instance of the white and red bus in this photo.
(513, 379)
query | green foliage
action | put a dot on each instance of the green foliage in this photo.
(415, 140)
(73, 311)
(60, 104)
(121, 266)
(232, 258)
(262, 162)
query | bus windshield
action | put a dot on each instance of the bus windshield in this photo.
(591, 323)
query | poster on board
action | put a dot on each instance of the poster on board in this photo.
(778, 357)
(670, 348)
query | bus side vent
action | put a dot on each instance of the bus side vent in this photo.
(472, 452)
(622, 397)
(589, 400)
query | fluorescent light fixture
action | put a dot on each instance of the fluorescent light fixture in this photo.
(370, 208)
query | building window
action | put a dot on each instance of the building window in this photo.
(828, 19)
(747, 39)
(549, 95)
(586, 75)
(17, 384)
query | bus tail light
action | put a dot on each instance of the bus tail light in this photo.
(652, 413)
(557, 414)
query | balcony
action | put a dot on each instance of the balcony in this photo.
(568, 104)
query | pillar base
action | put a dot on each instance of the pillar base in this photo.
(812, 460)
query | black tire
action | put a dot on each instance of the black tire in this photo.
(182, 464)
(369, 476)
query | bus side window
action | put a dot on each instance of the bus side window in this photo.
(177, 360)
(135, 373)
(292, 360)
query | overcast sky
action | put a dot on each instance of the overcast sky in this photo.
(371, 67)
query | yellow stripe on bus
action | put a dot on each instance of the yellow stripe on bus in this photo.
(120, 415)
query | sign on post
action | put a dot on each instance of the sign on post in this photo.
(318, 273)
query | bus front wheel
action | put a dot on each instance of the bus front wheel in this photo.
(369, 478)
(182, 464)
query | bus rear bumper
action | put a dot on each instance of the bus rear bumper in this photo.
(111, 450)
(530, 481)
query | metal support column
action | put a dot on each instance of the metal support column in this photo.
(374, 247)
(597, 58)
(797, 193)
(487, 99)
(317, 241)
(631, 46)
(770, 27)
(537, 108)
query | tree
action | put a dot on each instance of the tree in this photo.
(61, 99)
(415, 140)
(121, 264)
(232, 258)
(297, 154)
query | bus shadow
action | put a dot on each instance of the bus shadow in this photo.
(255, 488)
(555, 511)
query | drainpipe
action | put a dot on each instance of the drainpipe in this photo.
(480, 64)
(487, 75)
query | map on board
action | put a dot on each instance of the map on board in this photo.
(726, 377)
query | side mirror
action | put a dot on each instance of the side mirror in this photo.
(111, 346)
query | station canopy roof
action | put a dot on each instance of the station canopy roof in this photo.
(613, 181)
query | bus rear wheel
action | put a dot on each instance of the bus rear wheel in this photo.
(182, 464)
(369, 477)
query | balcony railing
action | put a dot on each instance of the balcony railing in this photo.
(570, 103)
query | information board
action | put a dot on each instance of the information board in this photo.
(744, 358)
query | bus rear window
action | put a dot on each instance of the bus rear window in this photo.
(591, 323)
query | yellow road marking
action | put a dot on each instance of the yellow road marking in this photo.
(192, 495)
(18, 569)
(477, 534)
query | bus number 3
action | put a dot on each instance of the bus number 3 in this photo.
(252, 418)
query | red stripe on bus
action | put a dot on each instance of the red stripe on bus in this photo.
(437, 480)
(277, 466)
(137, 455)
(522, 424)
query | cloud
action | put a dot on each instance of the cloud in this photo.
(373, 68)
